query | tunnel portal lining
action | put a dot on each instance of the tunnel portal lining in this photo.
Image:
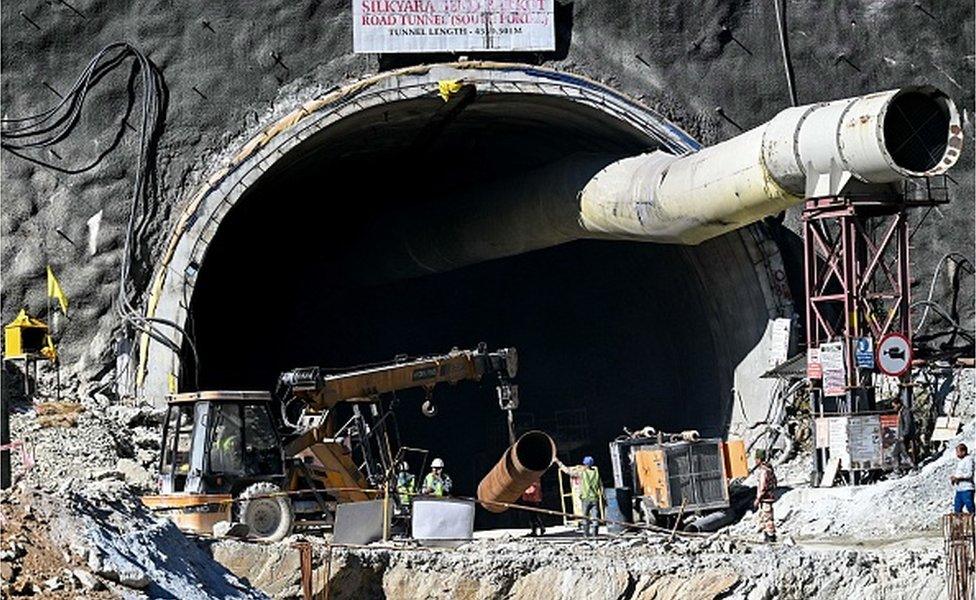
(158, 368)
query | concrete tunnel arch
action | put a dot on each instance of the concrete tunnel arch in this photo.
(736, 282)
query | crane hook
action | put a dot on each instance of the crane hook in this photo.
(428, 408)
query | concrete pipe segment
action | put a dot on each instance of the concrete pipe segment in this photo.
(524, 462)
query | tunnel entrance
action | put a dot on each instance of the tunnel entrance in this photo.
(339, 247)
(610, 334)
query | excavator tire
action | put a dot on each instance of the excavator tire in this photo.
(268, 516)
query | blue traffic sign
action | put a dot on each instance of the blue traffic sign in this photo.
(864, 353)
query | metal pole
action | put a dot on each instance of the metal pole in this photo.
(5, 476)
(328, 573)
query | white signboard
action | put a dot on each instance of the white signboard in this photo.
(779, 342)
(834, 370)
(837, 440)
(388, 26)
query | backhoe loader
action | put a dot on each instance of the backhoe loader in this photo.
(276, 461)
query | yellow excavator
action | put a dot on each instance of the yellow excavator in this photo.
(273, 462)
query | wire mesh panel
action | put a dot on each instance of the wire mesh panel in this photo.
(709, 471)
(696, 475)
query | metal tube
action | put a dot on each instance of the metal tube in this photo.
(523, 463)
(806, 151)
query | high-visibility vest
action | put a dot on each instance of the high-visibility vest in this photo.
(590, 484)
(437, 486)
(406, 486)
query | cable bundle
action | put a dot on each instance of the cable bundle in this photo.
(52, 126)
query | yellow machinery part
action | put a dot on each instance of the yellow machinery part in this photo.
(652, 475)
(24, 336)
(332, 465)
(736, 463)
(197, 513)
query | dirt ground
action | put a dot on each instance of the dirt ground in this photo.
(30, 565)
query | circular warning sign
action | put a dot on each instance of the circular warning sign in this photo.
(894, 354)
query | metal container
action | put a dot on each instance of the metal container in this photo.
(620, 508)
(690, 474)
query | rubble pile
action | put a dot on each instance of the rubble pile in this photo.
(907, 507)
(30, 563)
(73, 523)
(102, 441)
(102, 539)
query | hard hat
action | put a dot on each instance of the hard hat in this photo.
(437, 464)
(404, 466)
(588, 461)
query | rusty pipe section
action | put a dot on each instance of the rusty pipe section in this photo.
(524, 462)
(816, 150)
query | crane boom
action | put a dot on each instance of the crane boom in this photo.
(321, 391)
(331, 451)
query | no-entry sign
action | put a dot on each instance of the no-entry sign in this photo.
(894, 355)
(389, 26)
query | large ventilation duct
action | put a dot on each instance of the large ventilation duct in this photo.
(814, 150)
(805, 151)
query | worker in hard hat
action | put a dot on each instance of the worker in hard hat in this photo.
(765, 488)
(437, 483)
(586, 479)
(226, 453)
(406, 484)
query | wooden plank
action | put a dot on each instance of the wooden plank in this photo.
(830, 473)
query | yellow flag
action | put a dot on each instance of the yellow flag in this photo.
(54, 291)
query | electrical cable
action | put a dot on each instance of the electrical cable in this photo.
(945, 315)
(784, 44)
(960, 260)
(49, 127)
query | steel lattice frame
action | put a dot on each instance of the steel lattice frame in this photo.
(857, 273)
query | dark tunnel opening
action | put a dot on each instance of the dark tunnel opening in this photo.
(610, 334)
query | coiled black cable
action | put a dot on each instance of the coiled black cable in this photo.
(47, 128)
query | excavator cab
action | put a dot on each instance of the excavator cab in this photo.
(219, 442)
(222, 460)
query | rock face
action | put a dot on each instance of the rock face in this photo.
(231, 70)
(635, 568)
(549, 582)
